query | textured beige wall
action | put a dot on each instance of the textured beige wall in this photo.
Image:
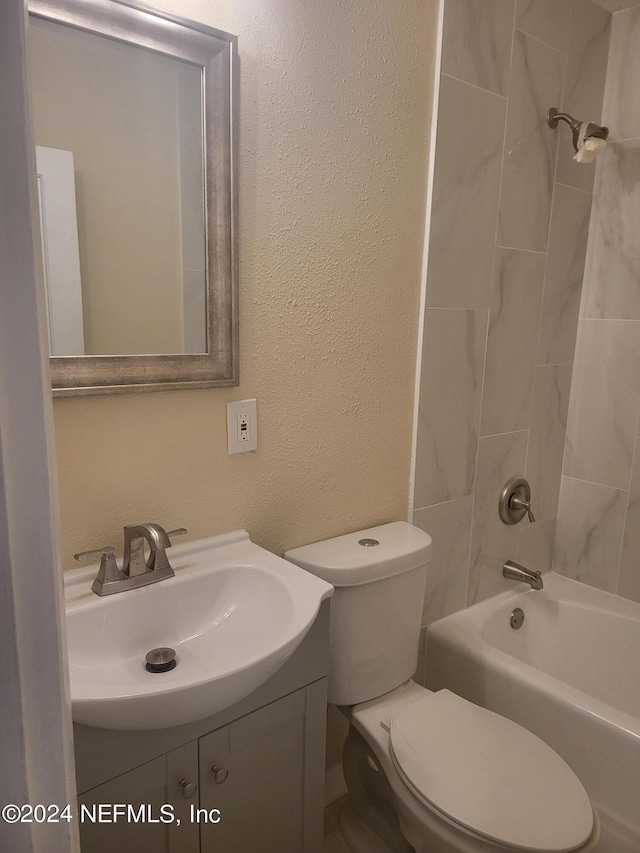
(335, 111)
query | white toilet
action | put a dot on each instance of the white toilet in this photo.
(430, 771)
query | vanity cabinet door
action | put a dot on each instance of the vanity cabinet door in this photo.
(252, 772)
(144, 792)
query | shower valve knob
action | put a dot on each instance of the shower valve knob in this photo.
(515, 501)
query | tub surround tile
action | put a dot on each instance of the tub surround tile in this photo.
(449, 411)
(477, 42)
(584, 86)
(564, 275)
(529, 163)
(535, 548)
(612, 277)
(622, 93)
(465, 195)
(597, 539)
(547, 430)
(629, 581)
(546, 20)
(506, 269)
(511, 341)
(589, 533)
(492, 542)
(605, 402)
(449, 525)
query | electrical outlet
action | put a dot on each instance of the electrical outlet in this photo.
(242, 426)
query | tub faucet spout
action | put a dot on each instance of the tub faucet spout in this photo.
(516, 572)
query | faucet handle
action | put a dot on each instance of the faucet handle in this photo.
(179, 531)
(108, 571)
(518, 502)
(105, 551)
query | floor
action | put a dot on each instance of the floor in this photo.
(343, 833)
(333, 839)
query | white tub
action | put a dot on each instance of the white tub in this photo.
(571, 674)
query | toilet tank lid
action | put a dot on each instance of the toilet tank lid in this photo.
(355, 559)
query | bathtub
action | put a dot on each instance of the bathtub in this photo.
(570, 674)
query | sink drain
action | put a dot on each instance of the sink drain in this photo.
(162, 659)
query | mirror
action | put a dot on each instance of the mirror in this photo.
(134, 121)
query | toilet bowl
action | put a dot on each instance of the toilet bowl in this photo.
(466, 779)
(430, 771)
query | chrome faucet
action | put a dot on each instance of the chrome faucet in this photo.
(135, 536)
(516, 572)
(136, 571)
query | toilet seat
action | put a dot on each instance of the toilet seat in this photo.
(488, 775)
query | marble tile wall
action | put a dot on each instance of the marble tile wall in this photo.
(598, 528)
(509, 227)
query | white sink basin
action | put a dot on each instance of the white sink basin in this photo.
(233, 613)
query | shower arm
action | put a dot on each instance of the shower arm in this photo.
(554, 117)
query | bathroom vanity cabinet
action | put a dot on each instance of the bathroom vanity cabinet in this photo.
(249, 778)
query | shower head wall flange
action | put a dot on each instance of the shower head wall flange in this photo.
(593, 130)
(554, 116)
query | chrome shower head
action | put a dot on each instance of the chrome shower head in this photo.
(582, 132)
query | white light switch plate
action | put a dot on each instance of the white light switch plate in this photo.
(242, 426)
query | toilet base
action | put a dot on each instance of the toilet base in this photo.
(370, 797)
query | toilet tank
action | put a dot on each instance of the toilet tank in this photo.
(379, 577)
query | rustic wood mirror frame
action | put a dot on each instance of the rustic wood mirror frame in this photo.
(216, 53)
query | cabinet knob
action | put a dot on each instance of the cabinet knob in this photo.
(188, 789)
(220, 774)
